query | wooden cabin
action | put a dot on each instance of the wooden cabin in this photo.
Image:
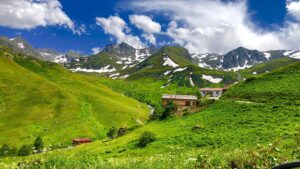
(180, 100)
(79, 141)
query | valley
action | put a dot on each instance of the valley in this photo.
(253, 124)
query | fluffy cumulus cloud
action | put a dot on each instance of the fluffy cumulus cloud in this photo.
(29, 14)
(147, 25)
(218, 26)
(293, 7)
(117, 27)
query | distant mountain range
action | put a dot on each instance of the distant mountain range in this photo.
(116, 58)
(18, 44)
(241, 58)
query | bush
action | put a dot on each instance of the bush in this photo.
(122, 131)
(4, 151)
(38, 144)
(25, 150)
(112, 132)
(168, 110)
(146, 138)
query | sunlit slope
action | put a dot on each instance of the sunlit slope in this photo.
(280, 86)
(39, 98)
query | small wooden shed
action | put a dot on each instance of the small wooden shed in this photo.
(79, 141)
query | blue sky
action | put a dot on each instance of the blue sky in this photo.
(199, 25)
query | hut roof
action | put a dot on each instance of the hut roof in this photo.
(179, 97)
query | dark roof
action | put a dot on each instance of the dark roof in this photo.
(179, 97)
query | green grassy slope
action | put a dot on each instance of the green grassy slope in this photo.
(280, 86)
(44, 99)
(228, 133)
(269, 66)
(248, 134)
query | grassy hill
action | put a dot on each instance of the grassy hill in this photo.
(280, 86)
(44, 99)
(268, 66)
(231, 133)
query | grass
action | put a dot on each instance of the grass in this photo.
(227, 130)
(43, 99)
(277, 87)
(268, 66)
(231, 133)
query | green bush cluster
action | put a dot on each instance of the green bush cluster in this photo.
(113, 132)
(25, 150)
(146, 138)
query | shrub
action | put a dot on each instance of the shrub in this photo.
(4, 151)
(38, 144)
(146, 138)
(112, 132)
(122, 131)
(168, 110)
(25, 150)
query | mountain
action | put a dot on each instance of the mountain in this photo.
(44, 99)
(18, 44)
(112, 58)
(174, 64)
(115, 58)
(241, 58)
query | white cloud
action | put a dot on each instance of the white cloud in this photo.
(96, 50)
(29, 14)
(118, 28)
(293, 8)
(150, 38)
(145, 23)
(218, 26)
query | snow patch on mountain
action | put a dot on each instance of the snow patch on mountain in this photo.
(179, 69)
(204, 65)
(167, 72)
(287, 53)
(169, 62)
(106, 69)
(114, 75)
(191, 81)
(21, 45)
(140, 56)
(124, 77)
(60, 59)
(267, 55)
(211, 79)
(240, 67)
(295, 55)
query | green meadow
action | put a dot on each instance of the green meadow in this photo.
(44, 99)
(254, 125)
